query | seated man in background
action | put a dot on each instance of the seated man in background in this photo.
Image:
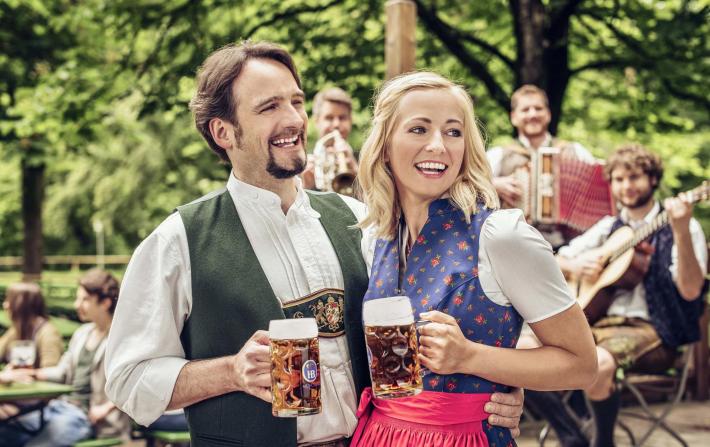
(86, 411)
(644, 325)
(530, 115)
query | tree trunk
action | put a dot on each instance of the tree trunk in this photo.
(542, 45)
(32, 198)
(529, 23)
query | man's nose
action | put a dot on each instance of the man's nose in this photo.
(294, 117)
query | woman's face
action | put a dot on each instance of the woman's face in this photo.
(427, 145)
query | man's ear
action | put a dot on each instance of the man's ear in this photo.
(221, 131)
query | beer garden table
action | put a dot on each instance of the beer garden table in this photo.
(39, 391)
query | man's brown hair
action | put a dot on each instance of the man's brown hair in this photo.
(527, 89)
(214, 98)
(101, 284)
(634, 156)
(333, 94)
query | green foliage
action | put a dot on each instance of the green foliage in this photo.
(97, 91)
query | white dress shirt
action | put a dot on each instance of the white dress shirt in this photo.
(145, 356)
(632, 303)
(495, 154)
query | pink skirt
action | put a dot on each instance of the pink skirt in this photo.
(431, 419)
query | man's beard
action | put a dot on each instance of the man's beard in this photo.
(280, 172)
(272, 167)
(641, 201)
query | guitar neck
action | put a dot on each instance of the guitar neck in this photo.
(658, 222)
(641, 234)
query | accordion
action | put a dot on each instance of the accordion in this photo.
(559, 189)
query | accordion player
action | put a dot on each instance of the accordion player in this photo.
(562, 195)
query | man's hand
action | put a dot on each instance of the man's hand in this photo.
(588, 265)
(19, 375)
(509, 189)
(252, 367)
(98, 413)
(505, 410)
(341, 146)
(679, 213)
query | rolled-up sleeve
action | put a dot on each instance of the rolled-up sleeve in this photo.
(144, 354)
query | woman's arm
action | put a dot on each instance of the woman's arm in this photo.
(567, 359)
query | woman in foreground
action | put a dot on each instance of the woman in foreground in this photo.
(475, 272)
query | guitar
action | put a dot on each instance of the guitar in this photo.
(617, 255)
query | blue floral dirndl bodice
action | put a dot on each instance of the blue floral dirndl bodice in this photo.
(442, 274)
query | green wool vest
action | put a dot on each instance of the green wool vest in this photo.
(232, 298)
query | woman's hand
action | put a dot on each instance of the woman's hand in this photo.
(442, 345)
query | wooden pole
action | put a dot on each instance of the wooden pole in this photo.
(400, 44)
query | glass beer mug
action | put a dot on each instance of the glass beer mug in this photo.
(392, 348)
(23, 353)
(295, 367)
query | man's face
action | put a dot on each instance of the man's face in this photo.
(271, 133)
(631, 187)
(531, 116)
(88, 307)
(334, 115)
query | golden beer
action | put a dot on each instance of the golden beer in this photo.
(392, 347)
(295, 367)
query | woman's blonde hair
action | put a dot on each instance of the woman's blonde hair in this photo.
(378, 189)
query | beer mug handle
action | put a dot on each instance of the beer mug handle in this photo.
(417, 324)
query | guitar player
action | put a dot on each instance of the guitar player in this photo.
(645, 324)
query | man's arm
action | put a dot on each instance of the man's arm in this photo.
(247, 371)
(144, 355)
(690, 274)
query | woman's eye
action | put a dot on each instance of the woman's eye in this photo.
(454, 133)
(417, 129)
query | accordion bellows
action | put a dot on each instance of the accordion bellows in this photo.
(563, 190)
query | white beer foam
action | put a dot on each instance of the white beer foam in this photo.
(391, 311)
(293, 329)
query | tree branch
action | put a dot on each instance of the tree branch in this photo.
(698, 99)
(450, 39)
(601, 64)
(288, 14)
(486, 47)
(563, 14)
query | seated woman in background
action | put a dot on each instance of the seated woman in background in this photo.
(29, 322)
(473, 271)
(26, 310)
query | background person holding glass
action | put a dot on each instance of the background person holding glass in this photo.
(31, 341)
(26, 310)
(86, 411)
(475, 272)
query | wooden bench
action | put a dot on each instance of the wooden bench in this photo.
(160, 437)
(105, 442)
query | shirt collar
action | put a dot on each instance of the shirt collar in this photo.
(648, 218)
(255, 196)
(547, 142)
